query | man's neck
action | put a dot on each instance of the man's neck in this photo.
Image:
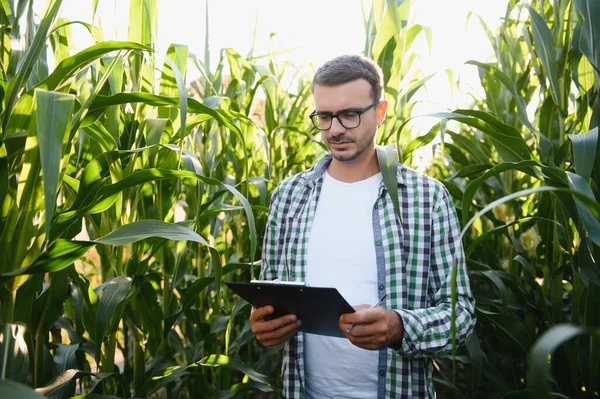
(351, 172)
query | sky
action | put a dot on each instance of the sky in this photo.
(309, 32)
(316, 29)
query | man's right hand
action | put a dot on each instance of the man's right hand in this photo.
(273, 332)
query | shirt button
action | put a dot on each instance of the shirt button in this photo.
(381, 287)
(378, 243)
(376, 206)
(382, 372)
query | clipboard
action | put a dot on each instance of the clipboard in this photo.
(319, 308)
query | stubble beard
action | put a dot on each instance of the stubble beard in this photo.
(361, 144)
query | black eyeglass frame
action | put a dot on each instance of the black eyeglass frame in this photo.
(359, 112)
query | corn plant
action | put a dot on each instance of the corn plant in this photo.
(129, 195)
(95, 163)
(525, 161)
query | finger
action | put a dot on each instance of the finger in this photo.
(345, 326)
(364, 316)
(272, 325)
(375, 341)
(260, 313)
(368, 342)
(276, 331)
(280, 335)
(368, 330)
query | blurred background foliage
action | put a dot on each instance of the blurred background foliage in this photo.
(128, 195)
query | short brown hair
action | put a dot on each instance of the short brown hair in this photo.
(346, 68)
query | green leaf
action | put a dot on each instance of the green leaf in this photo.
(68, 67)
(143, 16)
(141, 230)
(590, 221)
(169, 81)
(182, 91)
(590, 35)
(153, 130)
(236, 364)
(421, 141)
(388, 164)
(95, 31)
(90, 302)
(538, 372)
(64, 358)
(113, 294)
(14, 354)
(584, 152)
(189, 296)
(65, 70)
(3, 172)
(584, 74)
(11, 389)
(53, 113)
(37, 46)
(241, 304)
(59, 386)
(97, 132)
(471, 190)
(510, 326)
(222, 116)
(476, 354)
(591, 205)
(507, 140)
(544, 47)
(236, 389)
(500, 76)
(60, 255)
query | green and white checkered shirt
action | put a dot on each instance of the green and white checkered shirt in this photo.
(414, 267)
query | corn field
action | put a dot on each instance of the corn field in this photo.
(129, 195)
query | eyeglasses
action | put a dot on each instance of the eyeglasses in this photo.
(348, 118)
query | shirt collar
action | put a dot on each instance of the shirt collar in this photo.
(316, 173)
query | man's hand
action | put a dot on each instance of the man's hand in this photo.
(375, 328)
(273, 332)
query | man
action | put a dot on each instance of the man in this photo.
(335, 225)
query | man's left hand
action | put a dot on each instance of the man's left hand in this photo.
(375, 328)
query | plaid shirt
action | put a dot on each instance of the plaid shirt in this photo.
(414, 267)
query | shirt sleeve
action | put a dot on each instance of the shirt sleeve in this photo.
(428, 331)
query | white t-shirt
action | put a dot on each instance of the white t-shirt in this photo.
(341, 254)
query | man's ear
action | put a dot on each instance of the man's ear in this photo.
(381, 110)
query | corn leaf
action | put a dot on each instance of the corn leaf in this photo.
(53, 113)
(591, 222)
(64, 71)
(510, 326)
(38, 45)
(538, 373)
(60, 255)
(545, 49)
(141, 230)
(471, 190)
(590, 36)
(584, 152)
(113, 295)
(388, 164)
(11, 389)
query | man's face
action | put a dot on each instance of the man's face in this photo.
(349, 145)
